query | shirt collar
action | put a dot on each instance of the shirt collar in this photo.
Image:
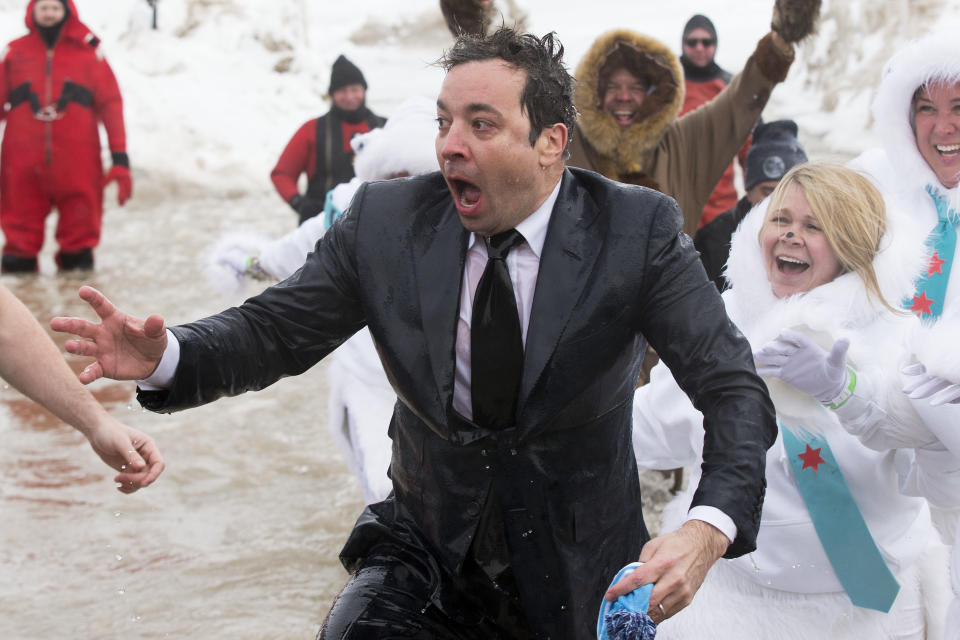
(534, 227)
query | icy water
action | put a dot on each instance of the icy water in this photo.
(239, 537)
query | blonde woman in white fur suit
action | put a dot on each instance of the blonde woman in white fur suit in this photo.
(917, 109)
(361, 399)
(815, 272)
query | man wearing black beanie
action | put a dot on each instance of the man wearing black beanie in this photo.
(775, 151)
(321, 147)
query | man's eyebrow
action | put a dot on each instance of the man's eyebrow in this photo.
(474, 107)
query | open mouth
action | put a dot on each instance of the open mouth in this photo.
(948, 150)
(466, 193)
(624, 118)
(791, 266)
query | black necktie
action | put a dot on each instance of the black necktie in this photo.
(496, 344)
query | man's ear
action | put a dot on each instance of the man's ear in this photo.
(551, 144)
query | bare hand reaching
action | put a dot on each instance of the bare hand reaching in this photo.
(131, 452)
(125, 347)
(677, 564)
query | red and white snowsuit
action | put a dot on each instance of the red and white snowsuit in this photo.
(53, 99)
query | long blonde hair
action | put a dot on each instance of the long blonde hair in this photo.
(850, 211)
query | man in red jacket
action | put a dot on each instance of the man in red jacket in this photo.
(321, 147)
(57, 87)
(703, 80)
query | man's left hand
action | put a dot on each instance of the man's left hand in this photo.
(677, 563)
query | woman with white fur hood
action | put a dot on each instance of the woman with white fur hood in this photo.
(917, 109)
(815, 272)
(361, 398)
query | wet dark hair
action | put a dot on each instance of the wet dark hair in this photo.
(548, 94)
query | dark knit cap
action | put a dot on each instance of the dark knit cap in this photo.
(344, 73)
(700, 22)
(775, 150)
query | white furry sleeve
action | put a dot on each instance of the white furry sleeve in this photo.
(667, 429)
(282, 257)
(933, 474)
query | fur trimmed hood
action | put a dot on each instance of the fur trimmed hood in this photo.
(840, 308)
(931, 59)
(660, 108)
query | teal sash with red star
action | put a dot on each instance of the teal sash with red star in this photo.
(932, 288)
(852, 552)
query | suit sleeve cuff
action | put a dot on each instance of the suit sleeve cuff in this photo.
(162, 377)
(715, 517)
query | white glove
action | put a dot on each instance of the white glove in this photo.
(939, 390)
(799, 361)
(235, 259)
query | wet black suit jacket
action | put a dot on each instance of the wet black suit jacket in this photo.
(615, 272)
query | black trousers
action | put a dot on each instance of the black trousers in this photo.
(398, 592)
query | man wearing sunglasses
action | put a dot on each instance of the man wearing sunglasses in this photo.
(703, 80)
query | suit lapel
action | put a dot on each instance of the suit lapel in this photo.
(569, 252)
(439, 269)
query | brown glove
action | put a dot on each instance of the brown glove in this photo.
(794, 20)
(470, 17)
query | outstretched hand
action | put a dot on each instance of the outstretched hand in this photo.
(125, 347)
(799, 361)
(131, 452)
(677, 564)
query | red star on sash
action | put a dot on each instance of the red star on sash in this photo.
(921, 304)
(935, 263)
(811, 458)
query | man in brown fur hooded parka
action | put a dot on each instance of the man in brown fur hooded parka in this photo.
(630, 89)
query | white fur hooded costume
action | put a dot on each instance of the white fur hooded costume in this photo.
(788, 584)
(903, 175)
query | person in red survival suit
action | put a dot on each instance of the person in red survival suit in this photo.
(321, 147)
(56, 87)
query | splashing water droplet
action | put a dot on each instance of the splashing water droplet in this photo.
(129, 407)
(116, 514)
(123, 467)
(121, 591)
(118, 557)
